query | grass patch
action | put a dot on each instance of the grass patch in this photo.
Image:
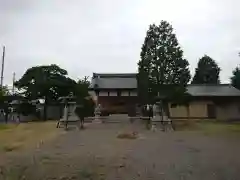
(208, 127)
(11, 147)
(26, 135)
(219, 127)
(13, 173)
(6, 126)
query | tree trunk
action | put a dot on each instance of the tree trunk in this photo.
(6, 114)
(45, 109)
(6, 117)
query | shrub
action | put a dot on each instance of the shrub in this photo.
(85, 108)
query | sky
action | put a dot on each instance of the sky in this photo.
(105, 36)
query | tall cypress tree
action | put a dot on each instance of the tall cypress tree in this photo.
(162, 62)
(207, 71)
(235, 79)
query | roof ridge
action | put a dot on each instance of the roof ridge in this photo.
(114, 73)
(209, 84)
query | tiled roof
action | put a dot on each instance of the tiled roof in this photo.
(129, 81)
(213, 90)
(114, 83)
(115, 75)
(114, 80)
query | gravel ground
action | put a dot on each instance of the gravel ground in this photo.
(96, 153)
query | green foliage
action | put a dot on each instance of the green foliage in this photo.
(85, 108)
(161, 63)
(46, 82)
(4, 127)
(4, 91)
(176, 95)
(81, 89)
(207, 71)
(86, 104)
(49, 82)
(235, 79)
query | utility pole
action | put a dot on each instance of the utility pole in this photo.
(3, 57)
(13, 85)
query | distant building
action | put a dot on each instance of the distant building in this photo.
(119, 91)
(221, 102)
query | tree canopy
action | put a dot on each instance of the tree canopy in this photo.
(51, 82)
(48, 82)
(81, 89)
(207, 71)
(235, 79)
(162, 62)
(4, 91)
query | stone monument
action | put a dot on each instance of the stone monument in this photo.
(97, 114)
(69, 114)
(159, 115)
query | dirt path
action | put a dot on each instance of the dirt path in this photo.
(96, 153)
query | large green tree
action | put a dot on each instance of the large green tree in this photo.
(207, 71)
(48, 82)
(162, 63)
(81, 89)
(86, 103)
(4, 91)
(235, 79)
